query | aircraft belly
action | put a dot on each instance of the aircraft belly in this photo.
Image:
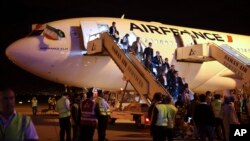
(201, 78)
(89, 71)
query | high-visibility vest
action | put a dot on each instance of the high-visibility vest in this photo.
(162, 118)
(166, 115)
(171, 115)
(16, 129)
(88, 116)
(216, 106)
(62, 109)
(103, 106)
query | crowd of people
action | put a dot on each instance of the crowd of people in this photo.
(79, 113)
(207, 116)
(165, 73)
(84, 115)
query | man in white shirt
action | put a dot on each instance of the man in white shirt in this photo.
(63, 108)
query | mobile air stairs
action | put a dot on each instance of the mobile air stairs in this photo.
(226, 55)
(143, 81)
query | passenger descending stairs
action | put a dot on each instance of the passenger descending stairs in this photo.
(226, 55)
(140, 78)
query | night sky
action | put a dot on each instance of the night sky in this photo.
(18, 15)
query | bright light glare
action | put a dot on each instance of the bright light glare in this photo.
(78, 53)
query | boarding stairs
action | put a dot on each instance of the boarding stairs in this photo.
(143, 81)
(225, 54)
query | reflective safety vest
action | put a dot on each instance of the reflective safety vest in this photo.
(62, 109)
(171, 115)
(16, 129)
(166, 115)
(88, 116)
(216, 106)
(103, 106)
(162, 118)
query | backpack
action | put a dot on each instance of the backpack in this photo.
(121, 41)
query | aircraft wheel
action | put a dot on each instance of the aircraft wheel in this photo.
(112, 120)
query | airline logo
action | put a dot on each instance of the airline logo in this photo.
(162, 30)
(53, 33)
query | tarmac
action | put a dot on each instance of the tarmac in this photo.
(47, 126)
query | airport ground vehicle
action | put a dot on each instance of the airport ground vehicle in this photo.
(128, 105)
(135, 111)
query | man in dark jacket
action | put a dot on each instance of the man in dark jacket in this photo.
(148, 56)
(204, 119)
(114, 32)
(158, 61)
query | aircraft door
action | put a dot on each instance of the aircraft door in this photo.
(186, 39)
(90, 30)
(132, 38)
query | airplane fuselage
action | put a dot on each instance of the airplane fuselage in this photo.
(62, 60)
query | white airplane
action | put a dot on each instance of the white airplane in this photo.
(57, 51)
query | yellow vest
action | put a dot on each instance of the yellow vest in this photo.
(162, 118)
(103, 106)
(216, 106)
(62, 109)
(166, 115)
(171, 115)
(16, 128)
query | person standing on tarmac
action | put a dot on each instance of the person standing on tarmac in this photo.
(102, 115)
(156, 99)
(50, 103)
(163, 120)
(88, 120)
(75, 112)
(34, 105)
(13, 125)
(53, 103)
(63, 108)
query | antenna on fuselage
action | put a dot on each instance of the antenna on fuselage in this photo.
(123, 15)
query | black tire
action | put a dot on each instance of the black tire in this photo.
(137, 119)
(112, 120)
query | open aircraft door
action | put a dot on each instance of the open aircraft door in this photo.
(90, 30)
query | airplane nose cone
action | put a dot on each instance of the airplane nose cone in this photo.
(16, 51)
(20, 52)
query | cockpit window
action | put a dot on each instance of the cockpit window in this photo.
(36, 33)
